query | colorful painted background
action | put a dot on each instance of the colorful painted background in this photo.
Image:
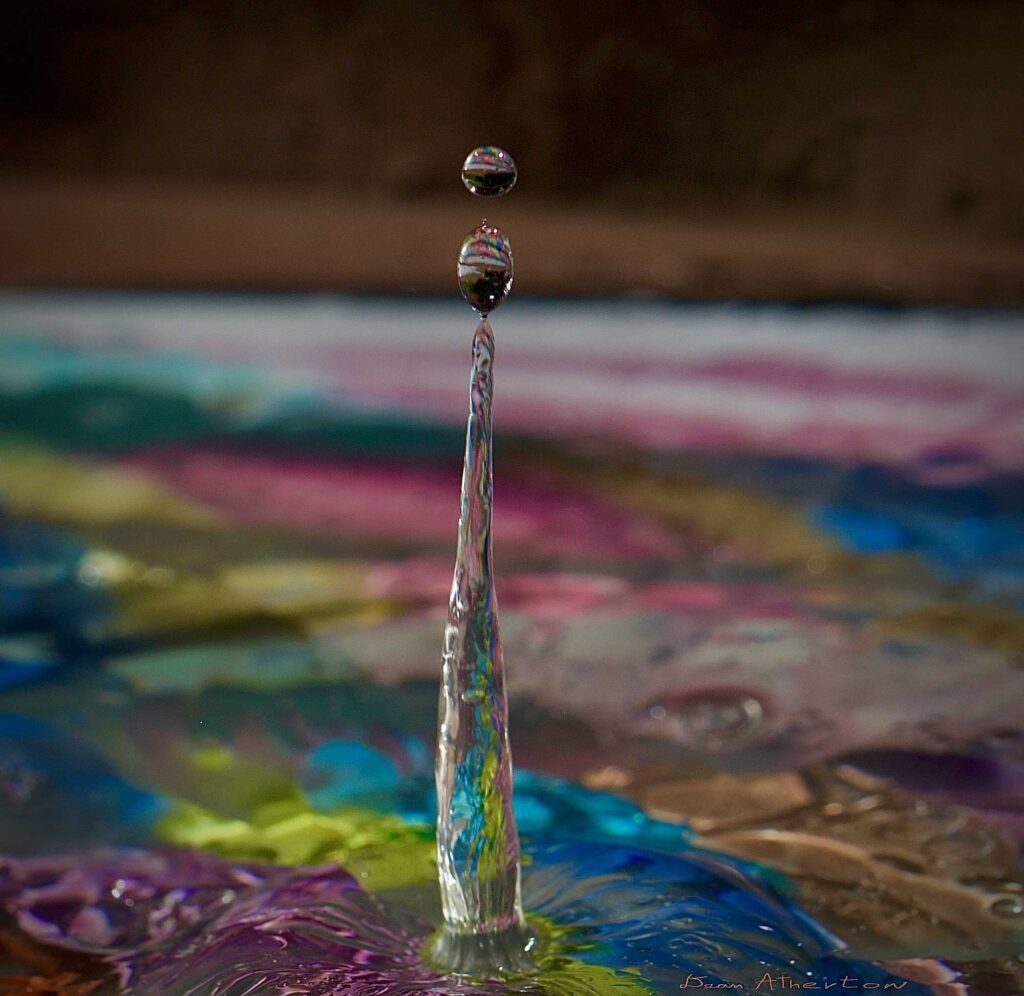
(761, 572)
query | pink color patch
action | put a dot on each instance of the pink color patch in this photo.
(405, 503)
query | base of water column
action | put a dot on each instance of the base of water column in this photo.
(509, 951)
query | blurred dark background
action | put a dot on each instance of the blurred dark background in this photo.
(798, 148)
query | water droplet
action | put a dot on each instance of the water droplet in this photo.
(1007, 906)
(712, 719)
(489, 172)
(485, 268)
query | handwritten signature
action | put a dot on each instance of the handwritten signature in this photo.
(778, 983)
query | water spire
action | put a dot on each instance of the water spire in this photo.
(477, 840)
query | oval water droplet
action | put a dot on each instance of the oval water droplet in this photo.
(712, 719)
(489, 172)
(1008, 906)
(485, 268)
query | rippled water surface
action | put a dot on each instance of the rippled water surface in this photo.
(761, 578)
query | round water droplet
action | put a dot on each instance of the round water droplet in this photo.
(1009, 906)
(711, 719)
(489, 172)
(485, 268)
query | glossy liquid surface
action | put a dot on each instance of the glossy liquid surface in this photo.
(224, 559)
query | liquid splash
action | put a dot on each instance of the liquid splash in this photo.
(609, 888)
(477, 839)
(192, 924)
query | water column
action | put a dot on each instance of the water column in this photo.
(477, 841)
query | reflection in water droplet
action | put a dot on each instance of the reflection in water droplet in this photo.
(1008, 906)
(485, 268)
(711, 719)
(489, 172)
